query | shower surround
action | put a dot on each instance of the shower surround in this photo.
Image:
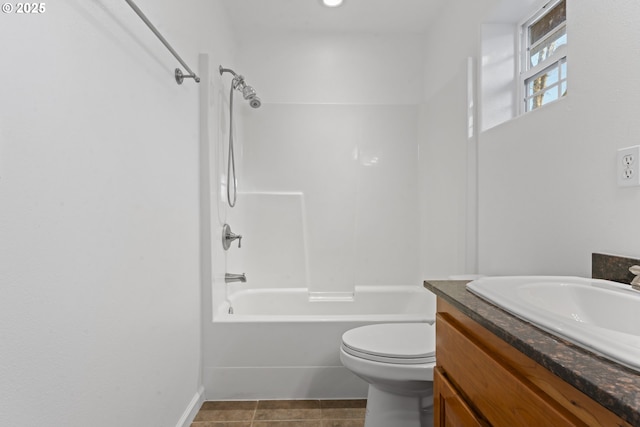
(328, 207)
(337, 184)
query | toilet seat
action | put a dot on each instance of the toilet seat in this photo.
(396, 343)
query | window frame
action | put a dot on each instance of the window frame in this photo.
(556, 59)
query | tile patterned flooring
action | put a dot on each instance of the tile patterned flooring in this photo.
(282, 413)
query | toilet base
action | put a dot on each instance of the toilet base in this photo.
(385, 409)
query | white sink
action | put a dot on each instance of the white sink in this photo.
(599, 315)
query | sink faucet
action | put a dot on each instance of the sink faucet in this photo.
(230, 277)
(635, 283)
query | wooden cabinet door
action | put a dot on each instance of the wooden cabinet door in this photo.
(450, 408)
(504, 396)
(499, 385)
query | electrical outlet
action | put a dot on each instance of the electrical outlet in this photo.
(628, 170)
(628, 160)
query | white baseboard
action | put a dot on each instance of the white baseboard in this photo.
(192, 409)
(307, 382)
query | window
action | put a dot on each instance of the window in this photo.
(543, 76)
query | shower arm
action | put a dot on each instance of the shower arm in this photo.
(227, 70)
(238, 80)
(238, 83)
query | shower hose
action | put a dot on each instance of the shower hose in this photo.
(231, 160)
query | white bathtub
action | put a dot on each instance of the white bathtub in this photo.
(280, 344)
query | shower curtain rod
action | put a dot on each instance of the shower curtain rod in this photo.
(178, 73)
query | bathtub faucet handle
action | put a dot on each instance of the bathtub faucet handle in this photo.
(229, 236)
(237, 237)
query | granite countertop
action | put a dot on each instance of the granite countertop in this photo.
(615, 387)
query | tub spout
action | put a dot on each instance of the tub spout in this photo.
(229, 277)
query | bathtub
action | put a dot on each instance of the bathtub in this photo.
(283, 343)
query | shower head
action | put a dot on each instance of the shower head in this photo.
(238, 83)
(255, 102)
(249, 93)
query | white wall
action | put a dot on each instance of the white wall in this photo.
(547, 183)
(342, 68)
(100, 270)
(447, 182)
(443, 179)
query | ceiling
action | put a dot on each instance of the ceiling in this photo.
(254, 17)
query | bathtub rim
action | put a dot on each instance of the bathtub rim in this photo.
(221, 312)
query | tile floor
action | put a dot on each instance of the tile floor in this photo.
(282, 413)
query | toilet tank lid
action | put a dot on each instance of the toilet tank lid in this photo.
(396, 340)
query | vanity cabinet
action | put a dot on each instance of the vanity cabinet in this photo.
(482, 381)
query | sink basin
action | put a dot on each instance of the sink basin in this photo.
(598, 315)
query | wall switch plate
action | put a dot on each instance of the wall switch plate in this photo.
(628, 169)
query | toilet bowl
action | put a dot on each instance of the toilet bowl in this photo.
(397, 361)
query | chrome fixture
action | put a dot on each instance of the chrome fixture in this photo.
(635, 283)
(179, 75)
(230, 277)
(248, 93)
(238, 83)
(229, 236)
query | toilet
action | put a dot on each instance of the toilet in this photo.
(397, 361)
